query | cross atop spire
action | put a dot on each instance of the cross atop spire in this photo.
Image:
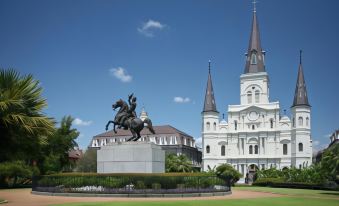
(209, 66)
(254, 2)
(300, 52)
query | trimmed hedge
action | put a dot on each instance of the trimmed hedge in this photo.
(279, 182)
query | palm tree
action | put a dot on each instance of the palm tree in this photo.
(179, 163)
(21, 119)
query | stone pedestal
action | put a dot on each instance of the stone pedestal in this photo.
(131, 157)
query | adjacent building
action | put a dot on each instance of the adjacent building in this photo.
(171, 140)
(255, 134)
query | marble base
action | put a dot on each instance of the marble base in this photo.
(131, 157)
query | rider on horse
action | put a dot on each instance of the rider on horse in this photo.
(130, 112)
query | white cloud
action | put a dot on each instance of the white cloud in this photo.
(150, 27)
(80, 122)
(181, 99)
(121, 74)
(316, 143)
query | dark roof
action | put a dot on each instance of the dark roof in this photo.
(75, 154)
(254, 47)
(164, 129)
(300, 95)
(209, 105)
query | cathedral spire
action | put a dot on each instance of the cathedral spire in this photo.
(209, 105)
(255, 55)
(300, 95)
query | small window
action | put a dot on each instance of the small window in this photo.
(214, 126)
(207, 149)
(284, 149)
(253, 58)
(300, 121)
(208, 125)
(257, 96)
(256, 149)
(301, 147)
(251, 149)
(235, 125)
(223, 150)
(249, 97)
(307, 121)
(293, 122)
(271, 123)
(300, 166)
(253, 127)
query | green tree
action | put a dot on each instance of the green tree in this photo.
(227, 172)
(174, 163)
(88, 162)
(59, 144)
(330, 163)
(23, 126)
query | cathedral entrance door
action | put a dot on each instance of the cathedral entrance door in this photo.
(252, 169)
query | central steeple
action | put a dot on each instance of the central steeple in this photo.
(255, 55)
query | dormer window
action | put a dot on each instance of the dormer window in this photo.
(253, 58)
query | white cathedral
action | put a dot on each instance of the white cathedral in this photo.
(255, 135)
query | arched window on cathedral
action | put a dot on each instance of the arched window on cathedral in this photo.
(253, 58)
(301, 147)
(257, 96)
(249, 97)
(256, 149)
(271, 123)
(235, 125)
(214, 126)
(307, 121)
(207, 149)
(300, 121)
(251, 149)
(208, 125)
(223, 150)
(284, 149)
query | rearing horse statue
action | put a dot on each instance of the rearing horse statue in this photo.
(134, 124)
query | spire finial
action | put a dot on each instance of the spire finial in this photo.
(254, 2)
(209, 66)
(300, 53)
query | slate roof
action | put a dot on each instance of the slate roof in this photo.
(300, 95)
(209, 104)
(159, 130)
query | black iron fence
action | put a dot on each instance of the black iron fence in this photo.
(129, 184)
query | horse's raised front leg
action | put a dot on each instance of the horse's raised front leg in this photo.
(108, 123)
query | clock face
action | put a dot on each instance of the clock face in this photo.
(253, 115)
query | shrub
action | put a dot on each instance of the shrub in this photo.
(14, 174)
(228, 173)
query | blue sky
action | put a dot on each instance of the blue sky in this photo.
(160, 50)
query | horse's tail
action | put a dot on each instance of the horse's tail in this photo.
(149, 125)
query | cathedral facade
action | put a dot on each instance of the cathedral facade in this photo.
(256, 135)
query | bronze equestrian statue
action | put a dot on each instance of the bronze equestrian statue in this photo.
(126, 118)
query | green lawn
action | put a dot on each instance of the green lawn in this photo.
(297, 197)
(294, 192)
(278, 201)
